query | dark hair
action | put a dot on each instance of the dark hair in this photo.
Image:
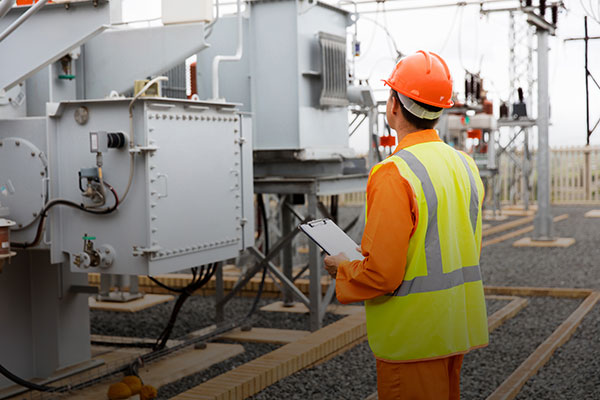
(418, 123)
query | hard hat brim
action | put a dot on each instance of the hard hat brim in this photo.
(447, 104)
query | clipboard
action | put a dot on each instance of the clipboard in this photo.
(331, 238)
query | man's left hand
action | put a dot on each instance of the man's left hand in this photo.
(332, 263)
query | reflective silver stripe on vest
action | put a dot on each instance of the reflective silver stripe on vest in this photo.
(423, 284)
(436, 279)
(474, 206)
(433, 253)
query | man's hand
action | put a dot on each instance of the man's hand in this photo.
(332, 263)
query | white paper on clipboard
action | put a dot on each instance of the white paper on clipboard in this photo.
(331, 238)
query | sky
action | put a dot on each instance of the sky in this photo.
(468, 40)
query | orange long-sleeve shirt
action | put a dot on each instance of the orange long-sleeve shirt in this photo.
(392, 218)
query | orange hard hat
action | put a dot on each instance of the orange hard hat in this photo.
(425, 77)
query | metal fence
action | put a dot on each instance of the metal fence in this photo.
(574, 177)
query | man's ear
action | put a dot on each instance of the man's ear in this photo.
(395, 105)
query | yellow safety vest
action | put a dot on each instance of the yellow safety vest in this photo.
(439, 309)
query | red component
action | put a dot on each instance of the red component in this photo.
(193, 80)
(27, 2)
(474, 134)
(488, 107)
(387, 141)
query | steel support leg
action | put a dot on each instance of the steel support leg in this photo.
(219, 293)
(543, 218)
(286, 226)
(105, 284)
(315, 271)
(526, 169)
(134, 285)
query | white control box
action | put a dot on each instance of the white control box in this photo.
(185, 11)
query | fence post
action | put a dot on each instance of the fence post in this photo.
(587, 174)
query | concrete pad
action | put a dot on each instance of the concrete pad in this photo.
(558, 242)
(149, 300)
(277, 306)
(265, 335)
(518, 213)
(593, 214)
(492, 217)
(519, 207)
(300, 308)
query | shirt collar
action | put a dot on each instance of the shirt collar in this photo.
(428, 135)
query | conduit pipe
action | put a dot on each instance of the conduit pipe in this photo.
(237, 57)
(5, 6)
(32, 10)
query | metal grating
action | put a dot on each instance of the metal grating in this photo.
(333, 70)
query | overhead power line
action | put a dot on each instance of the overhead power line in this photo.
(433, 6)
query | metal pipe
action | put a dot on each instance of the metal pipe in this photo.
(32, 10)
(5, 6)
(238, 55)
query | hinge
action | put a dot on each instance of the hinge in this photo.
(143, 149)
(144, 251)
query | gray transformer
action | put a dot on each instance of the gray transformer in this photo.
(292, 77)
(190, 201)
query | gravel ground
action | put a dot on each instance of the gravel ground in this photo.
(511, 343)
(196, 313)
(493, 305)
(358, 381)
(575, 266)
(251, 351)
(571, 373)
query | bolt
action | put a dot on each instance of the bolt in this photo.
(42, 173)
(20, 225)
(18, 143)
(35, 214)
(32, 154)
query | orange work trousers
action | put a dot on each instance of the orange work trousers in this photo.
(422, 380)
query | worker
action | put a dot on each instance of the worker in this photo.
(420, 277)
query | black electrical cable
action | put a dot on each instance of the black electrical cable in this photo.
(265, 222)
(30, 385)
(203, 278)
(56, 202)
(170, 288)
